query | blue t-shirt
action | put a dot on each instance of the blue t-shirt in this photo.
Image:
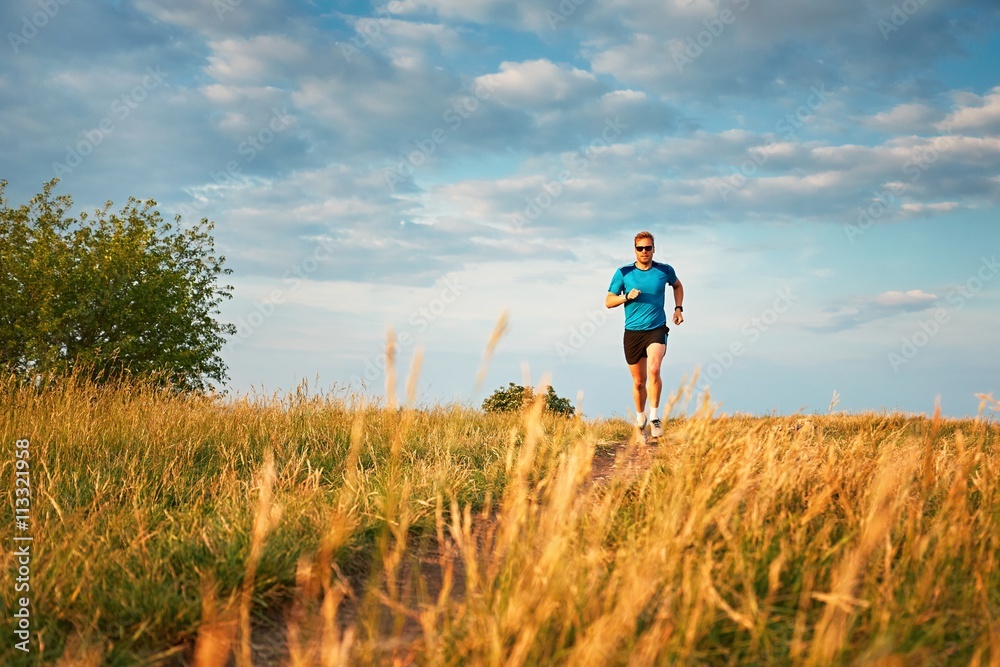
(646, 312)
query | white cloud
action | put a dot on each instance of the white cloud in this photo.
(541, 83)
(976, 114)
(256, 59)
(707, 53)
(217, 18)
(910, 297)
(543, 18)
(909, 117)
(863, 310)
(917, 209)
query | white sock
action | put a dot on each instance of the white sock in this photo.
(640, 417)
(652, 412)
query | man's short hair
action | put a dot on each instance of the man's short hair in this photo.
(644, 235)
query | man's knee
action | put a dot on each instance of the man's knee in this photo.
(639, 384)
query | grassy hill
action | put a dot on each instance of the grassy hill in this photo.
(314, 529)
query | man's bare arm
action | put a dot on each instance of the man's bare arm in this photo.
(614, 300)
(678, 301)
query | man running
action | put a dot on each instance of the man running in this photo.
(642, 287)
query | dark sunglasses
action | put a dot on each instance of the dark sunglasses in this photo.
(644, 248)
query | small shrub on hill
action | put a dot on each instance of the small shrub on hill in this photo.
(515, 397)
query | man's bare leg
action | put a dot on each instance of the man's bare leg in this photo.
(638, 372)
(654, 359)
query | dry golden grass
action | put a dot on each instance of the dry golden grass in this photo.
(318, 530)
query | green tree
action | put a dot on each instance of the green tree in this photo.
(109, 295)
(558, 404)
(515, 397)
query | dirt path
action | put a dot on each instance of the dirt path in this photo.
(269, 635)
(618, 456)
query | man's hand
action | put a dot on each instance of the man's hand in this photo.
(632, 294)
(678, 317)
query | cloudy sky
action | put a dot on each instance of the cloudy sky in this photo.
(823, 176)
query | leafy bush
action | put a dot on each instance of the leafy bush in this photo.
(109, 295)
(558, 404)
(515, 397)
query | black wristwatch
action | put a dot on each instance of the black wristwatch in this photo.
(680, 308)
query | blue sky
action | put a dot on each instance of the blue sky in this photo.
(823, 177)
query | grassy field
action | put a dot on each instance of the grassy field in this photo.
(312, 529)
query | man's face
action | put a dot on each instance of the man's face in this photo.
(644, 250)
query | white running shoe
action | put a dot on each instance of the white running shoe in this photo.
(655, 428)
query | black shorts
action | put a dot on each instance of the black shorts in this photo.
(636, 342)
